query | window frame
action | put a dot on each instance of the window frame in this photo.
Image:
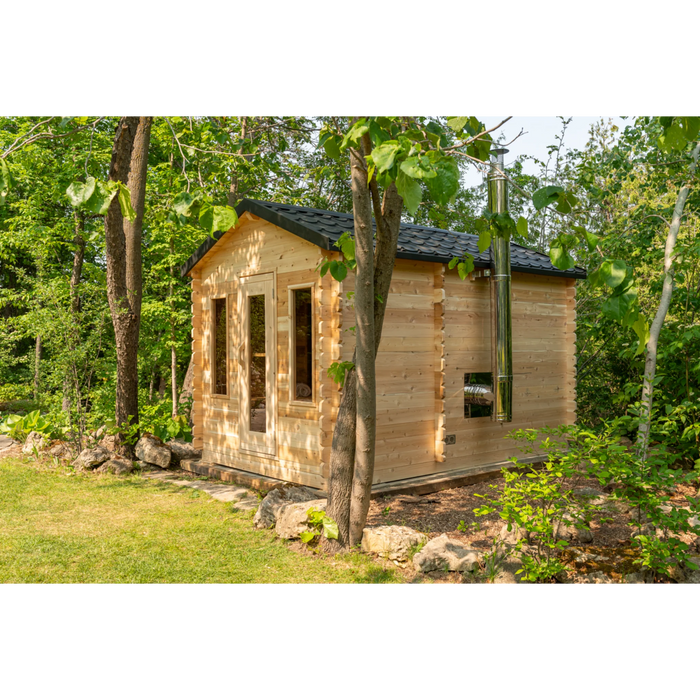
(212, 346)
(291, 289)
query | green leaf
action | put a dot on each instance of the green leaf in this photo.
(338, 271)
(102, 197)
(128, 212)
(410, 191)
(383, 156)
(5, 180)
(457, 123)
(641, 328)
(224, 218)
(673, 139)
(355, 133)
(418, 167)
(332, 146)
(182, 204)
(521, 227)
(560, 257)
(452, 263)
(484, 239)
(206, 218)
(307, 536)
(464, 268)
(618, 305)
(346, 243)
(445, 185)
(330, 528)
(546, 196)
(613, 272)
(79, 192)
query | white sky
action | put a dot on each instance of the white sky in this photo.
(539, 133)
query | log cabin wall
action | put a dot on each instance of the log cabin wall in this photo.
(406, 364)
(257, 247)
(544, 381)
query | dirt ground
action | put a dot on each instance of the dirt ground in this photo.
(607, 559)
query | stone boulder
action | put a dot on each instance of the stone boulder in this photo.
(92, 457)
(516, 534)
(182, 450)
(567, 530)
(271, 505)
(62, 451)
(152, 450)
(692, 576)
(109, 442)
(116, 465)
(293, 519)
(595, 497)
(443, 553)
(394, 542)
(34, 440)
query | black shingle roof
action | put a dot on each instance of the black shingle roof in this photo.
(324, 228)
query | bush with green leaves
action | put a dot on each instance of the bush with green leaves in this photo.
(319, 524)
(536, 499)
(18, 427)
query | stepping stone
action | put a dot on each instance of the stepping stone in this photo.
(247, 504)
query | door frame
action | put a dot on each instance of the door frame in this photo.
(249, 440)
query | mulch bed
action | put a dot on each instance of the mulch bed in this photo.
(611, 552)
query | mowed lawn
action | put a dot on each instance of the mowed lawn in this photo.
(57, 526)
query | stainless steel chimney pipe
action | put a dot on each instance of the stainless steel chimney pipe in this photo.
(501, 325)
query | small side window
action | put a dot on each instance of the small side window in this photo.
(478, 393)
(302, 349)
(220, 383)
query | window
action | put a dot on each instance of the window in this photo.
(258, 385)
(478, 387)
(220, 354)
(302, 377)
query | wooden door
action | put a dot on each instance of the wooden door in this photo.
(258, 364)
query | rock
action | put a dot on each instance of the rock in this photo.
(596, 577)
(443, 553)
(62, 451)
(566, 530)
(109, 442)
(393, 542)
(644, 579)
(92, 457)
(152, 450)
(293, 519)
(116, 465)
(515, 535)
(34, 440)
(590, 495)
(271, 505)
(692, 576)
(182, 450)
(625, 442)
(507, 566)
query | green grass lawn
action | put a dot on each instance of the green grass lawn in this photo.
(60, 527)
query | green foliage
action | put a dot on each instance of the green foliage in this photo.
(536, 500)
(338, 370)
(18, 427)
(320, 524)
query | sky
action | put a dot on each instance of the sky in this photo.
(539, 133)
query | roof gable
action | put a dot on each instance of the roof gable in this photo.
(324, 228)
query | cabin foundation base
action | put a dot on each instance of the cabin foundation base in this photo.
(231, 475)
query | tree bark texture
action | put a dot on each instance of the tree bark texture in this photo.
(37, 367)
(664, 303)
(123, 255)
(349, 490)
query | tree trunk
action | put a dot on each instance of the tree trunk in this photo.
(173, 352)
(161, 387)
(388, 217)
(123, 255)
(76, 274)
(365, 429)
(37, 367)
(664, 303)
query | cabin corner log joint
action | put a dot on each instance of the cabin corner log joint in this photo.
(266, 328)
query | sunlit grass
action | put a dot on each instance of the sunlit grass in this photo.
(60, 527)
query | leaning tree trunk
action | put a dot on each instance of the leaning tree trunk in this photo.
(660, 317)
(387, 214)
(123, 254)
